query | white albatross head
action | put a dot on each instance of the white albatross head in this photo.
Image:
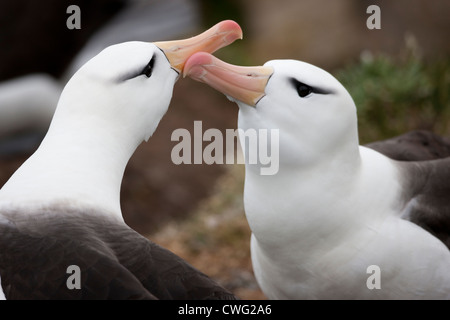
(126, 85)
(314, 113)
(131, 83)
(107, 109)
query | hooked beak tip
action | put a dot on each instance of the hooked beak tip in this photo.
(213, 39)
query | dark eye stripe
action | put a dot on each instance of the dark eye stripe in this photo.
(303, 88)
(147, 71)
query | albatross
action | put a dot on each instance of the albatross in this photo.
(338, 220)
(62, 234)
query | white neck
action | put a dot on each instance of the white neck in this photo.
(80, 163)
(305, 221)
(315, 201)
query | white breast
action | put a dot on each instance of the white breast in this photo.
(319, 244)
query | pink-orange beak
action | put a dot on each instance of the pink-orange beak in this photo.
(219, 36)
(246, 84)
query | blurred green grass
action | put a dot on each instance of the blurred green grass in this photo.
(398, 94)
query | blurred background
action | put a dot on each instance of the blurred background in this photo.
(399, 77)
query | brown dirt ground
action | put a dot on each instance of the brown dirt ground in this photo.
(216, 238)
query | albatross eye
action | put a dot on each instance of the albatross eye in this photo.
(148, 69)
(304, 90)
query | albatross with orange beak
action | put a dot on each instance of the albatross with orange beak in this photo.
(62, 235)
(338, 220)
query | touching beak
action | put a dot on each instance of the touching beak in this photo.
(246, 84)
(219, 36)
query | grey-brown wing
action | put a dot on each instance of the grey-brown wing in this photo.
(163, 273)
(426, 190)
(114, 261)
(417, 145)
(34, 266)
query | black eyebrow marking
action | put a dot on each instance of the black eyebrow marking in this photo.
(150, 64)
(317, 90)
(137, 72)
